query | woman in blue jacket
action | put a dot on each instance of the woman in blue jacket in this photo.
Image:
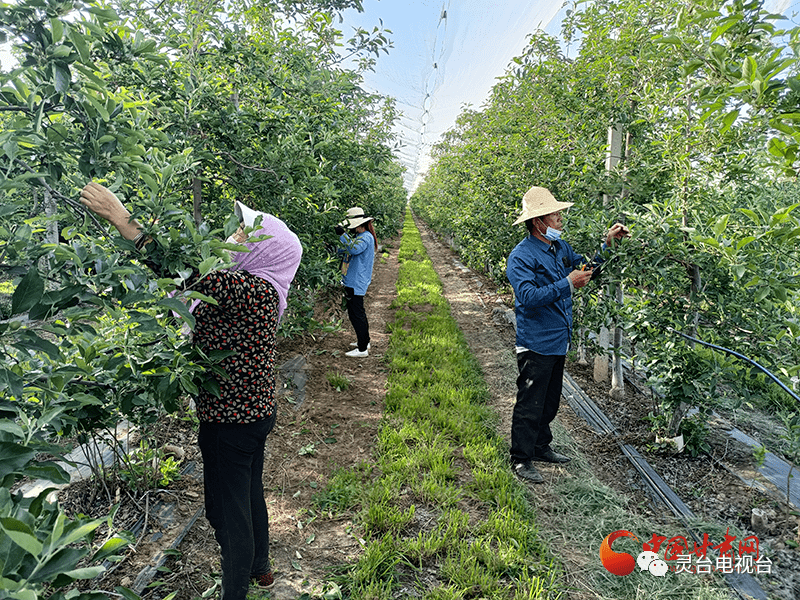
(358, 247)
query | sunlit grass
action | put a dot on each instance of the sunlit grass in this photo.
(441, 512)
(442, 498)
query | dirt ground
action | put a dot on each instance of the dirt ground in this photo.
(325, 429)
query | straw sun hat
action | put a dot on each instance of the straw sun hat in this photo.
(538, 202)
(355, 217)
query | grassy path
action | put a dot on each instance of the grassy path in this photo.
(442, 513)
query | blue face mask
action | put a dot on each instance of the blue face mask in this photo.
(552, 235)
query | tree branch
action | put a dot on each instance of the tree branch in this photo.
(24, 109)
(67, 200)
(248, 167)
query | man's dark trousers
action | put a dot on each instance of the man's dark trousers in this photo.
(538, 398)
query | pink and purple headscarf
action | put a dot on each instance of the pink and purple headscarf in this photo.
(275, 259)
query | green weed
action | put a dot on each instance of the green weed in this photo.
(147, 468)
(338, 381)
(384, 517)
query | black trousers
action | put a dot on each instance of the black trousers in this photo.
(233, 461)
(538, 398)
(357, 316)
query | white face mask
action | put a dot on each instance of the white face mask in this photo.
(552, 234)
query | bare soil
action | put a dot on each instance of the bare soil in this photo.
(328, 429)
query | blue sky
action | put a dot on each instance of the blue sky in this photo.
(447, 54)
(439, 64)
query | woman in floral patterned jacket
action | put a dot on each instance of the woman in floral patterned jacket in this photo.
(235, 420)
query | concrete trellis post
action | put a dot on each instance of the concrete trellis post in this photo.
(51, 231)
(601, 367)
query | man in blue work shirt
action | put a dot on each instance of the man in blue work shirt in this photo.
(544, 272)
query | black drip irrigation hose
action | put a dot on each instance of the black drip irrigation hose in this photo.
(744, 585)
(742, 357)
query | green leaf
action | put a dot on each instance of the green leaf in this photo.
(744, 242)
(85, 573)
(107, 14)
(752, 214)
(48, 470)
(727, 23)
(14, 383)
(22, 535)
(111, 548)
(86, 72)
(691, 67)
(207, 265)
(188, 385)
(64, 560)
(754, 281)
(211, 386)
(60, 51)
(180, 308)
(61, 77)
(28, 293)
(11, 148)
(729, 119)
(11, 427)
(783, 127)
(749, 69)
(670, 39)
(707, 14)
(79, 42)
(98, 106)
(709, 241)
(198, 296)
(127, 593)
(79, 533)
(12, 586)
(721, 224)
(37, 122)
(57, 29)
(30, 341)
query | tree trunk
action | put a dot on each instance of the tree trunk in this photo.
(197, 200)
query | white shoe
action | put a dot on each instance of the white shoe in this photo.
(355, 345)
(357, 353)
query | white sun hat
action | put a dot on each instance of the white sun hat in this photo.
(538, 202)
(355, 217)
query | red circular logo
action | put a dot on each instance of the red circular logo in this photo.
(618, 563)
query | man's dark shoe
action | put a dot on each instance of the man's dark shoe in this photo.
(551, 456)
(529, 472)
